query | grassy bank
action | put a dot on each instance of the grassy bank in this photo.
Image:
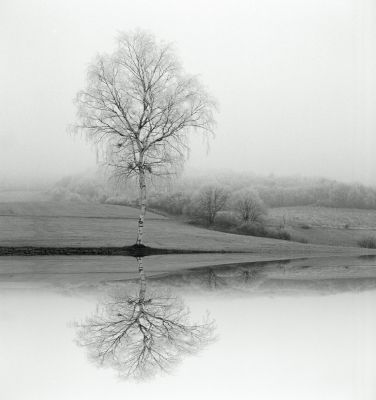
(63, 224)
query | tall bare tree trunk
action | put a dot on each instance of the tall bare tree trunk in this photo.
(142, 280)
(142, 183)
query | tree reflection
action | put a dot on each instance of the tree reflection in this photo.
(144, 334)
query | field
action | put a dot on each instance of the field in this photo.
(323, 225)
(46, 223)
(325, 217)
(60, 224)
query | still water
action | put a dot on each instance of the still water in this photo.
(262, 331)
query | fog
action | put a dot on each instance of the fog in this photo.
(295, 81)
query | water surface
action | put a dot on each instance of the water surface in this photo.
(281, 330)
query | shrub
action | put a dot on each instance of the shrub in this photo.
(305, 226)
(249, 205)
(226, 220)
(253, 229)
(281, 234)
(368, 242)
(73, 197)
(58, 194)
(258, 229)
(79, 188)
(211, 200)
(120, 201)
(174, 203)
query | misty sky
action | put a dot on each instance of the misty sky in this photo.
(295, 80)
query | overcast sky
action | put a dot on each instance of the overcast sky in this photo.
(295, 80)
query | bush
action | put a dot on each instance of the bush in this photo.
(210, 201)
(368, 242)
(58, 194)
(257, 229)
(73, 197)
(120, 201)
(226, 220)
(280, 234)
(79, 188)
(305, 226)
(248, 205)
(174, 203)
(253, 229)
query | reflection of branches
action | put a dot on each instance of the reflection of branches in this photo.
(222, 278)
(143, 334)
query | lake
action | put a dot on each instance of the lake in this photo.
(266, 330)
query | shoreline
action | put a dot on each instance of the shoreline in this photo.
(60, 271)
(145, 251)
(132, 251)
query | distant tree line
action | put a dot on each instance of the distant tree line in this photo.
(182, 196)
(296, 191)
(325, 193)
(80, 188)
(284, 192)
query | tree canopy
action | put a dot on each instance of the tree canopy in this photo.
(139, 106)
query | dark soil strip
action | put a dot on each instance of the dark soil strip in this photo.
(135, 251)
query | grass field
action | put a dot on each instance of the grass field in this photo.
(323, 225)
(56, 209)
(324, 217)
(46, 223)
(86, 224)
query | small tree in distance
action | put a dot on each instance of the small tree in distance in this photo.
(249, 205)
(140, 107)
(212, 199)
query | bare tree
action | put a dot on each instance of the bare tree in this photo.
(211, 200)
(143, 334)
(249, 205)
(141, 105)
